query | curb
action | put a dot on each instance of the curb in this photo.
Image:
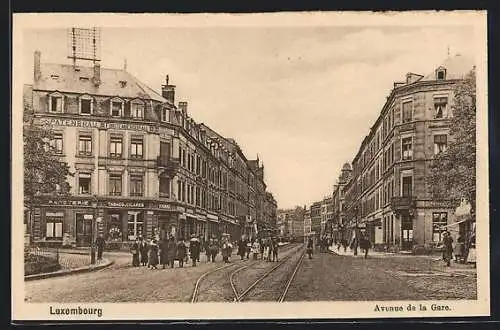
(67, 272)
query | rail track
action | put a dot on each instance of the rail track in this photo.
(237, 297)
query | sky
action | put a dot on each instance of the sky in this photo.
(301, 98)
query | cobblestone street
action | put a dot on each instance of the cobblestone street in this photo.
(336, 278)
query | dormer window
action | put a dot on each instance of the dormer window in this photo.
(165, 114)
(441, 74)
(116, 108)
(137, 109)
(86, 105)
(56, 103)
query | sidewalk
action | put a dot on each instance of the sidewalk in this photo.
(70, 271)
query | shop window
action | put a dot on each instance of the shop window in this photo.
(56, 143)
(440, 143)
(84, 180)
(85, 145)
(115, 228)
(54, 225)
(115, 184)
(136, 185)
(407, 111)
(439, 219)
(406, 148)
(135, 225)
(136, 148)
(137, 110)
(115, 147)
(440, 107)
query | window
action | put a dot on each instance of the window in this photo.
(406, 148)
(135, 225)
(407, 186)
(137, 110)
(136, 185)
(56, 104)
(441, 74)
(85, 106)
(85, 145)
(136, 148)
(115, 147)
(407, 111)
(164, 187)
(440, 143)
(84, 183)
(57, 143)
(440, 107)
(115, 184)
(165, 115)
(54, 225)
(183, 192)
(179, 190)
(116, 108)
(439, 219)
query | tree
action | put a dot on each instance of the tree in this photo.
(453, 172)
(44, 172)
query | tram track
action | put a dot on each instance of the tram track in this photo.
(247, 293)
(214, 286)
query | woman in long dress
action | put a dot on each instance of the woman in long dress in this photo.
(135, 254)
(153, 255)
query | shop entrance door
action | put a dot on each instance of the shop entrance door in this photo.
(406, 233)
(83, 229)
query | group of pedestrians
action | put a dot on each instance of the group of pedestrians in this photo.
(464, 250)
(266, 248)
(153, 253)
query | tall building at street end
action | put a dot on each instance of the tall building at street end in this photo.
(387, 194)
(339, 219)
(142, 166)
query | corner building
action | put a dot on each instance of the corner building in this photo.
(142, 167)
(387, 195)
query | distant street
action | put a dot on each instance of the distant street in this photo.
(326, 277)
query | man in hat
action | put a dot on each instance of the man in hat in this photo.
(194, 249)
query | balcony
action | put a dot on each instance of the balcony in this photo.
(168, 166)
(403, 203)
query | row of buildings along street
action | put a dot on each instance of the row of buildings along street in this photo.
(384, 191)
(142, 166)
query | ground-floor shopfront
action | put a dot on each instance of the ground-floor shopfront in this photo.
(78, 221)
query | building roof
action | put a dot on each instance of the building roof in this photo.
(456, 67)
(64, 78)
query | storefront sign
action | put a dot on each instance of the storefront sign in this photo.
(126, 204)
(54, 214)
(67, 202)
(96, 124)
(88, 216)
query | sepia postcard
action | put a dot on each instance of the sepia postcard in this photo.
(250, 166)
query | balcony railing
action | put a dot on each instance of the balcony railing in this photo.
(168, 165)
(401, 203)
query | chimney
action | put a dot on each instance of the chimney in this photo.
(97, 74)
(168, 91)
(183, 107)
(37, 70)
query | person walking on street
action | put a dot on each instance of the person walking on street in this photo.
(365, 245)
(171, 251)
(135, 254)
(213, 248)
(100, 242)
(255, 249)
(248, 248)
(153, 255)
(459, 250)
(275, 247)
(194, 249)
(447, 248)
(309, 248)
(164, 252)
(261, 247)
(143, 249)
(181, 252)
(242, 245)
